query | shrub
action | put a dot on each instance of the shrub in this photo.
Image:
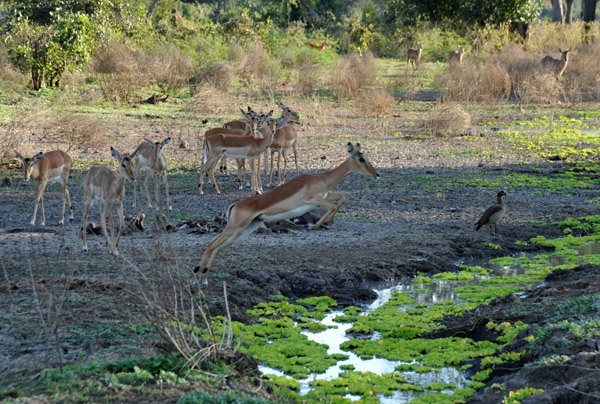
(219, 74)
(307, 80)
(377, 103)
(453, 118)
(352, 73)
(470, 82)
(581, 78)
(167, 68)
(76, 132)
(117, 72)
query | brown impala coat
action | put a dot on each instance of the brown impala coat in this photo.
(48, 167)
(289, 200)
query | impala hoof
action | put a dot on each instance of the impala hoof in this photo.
(116, 253)
(85, 249)
(71, 219)
(61, 222)
(170, 208)
(43, 224)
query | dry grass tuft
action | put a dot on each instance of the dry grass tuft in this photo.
(9, 139)
(449, 119)
(76, 132)
(582, 76)
(473, 83)
(117, 71)
(220, 75)
(307, 81)
(533, 84)
(376, 103)
(352, 73)
(167, 68)
(208, 100)
(251, 66)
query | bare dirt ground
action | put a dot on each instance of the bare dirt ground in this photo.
(418, 217)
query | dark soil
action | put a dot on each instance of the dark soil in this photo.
(390, 229)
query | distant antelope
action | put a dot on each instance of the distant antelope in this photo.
(414, 56)
(149, 156)
(320, 47)
(53, 166)
(456, 56)
(558, 66)
(107, 186)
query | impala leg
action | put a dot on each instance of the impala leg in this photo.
(206, 169)
(105, 212)
(148, 200)
(279, 166)
(230, 235)
(241, 165)
(155, 178)
(330, 204)
(164, 175)
(111, 223)
(257, 173)
(86, 209)
(66, 193)
(121, 225)
(64, 202)
(39, 199)
(137, 175)
(271, 171)
(284, 165)
(296, 158)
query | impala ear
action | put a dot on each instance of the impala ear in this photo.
(280, 105)
(350, 148)
(150, 142)
(115, 153)
(270, 113)
(569, 50)
(357, 147)
(166, 141)
(18, 155)
(37, 156)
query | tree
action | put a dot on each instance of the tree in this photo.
(588, 10)
(46, 51)
(558, 11)
(569, 11)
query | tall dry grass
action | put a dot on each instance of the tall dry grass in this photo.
(453, 118)
(475, 83)
(376, 103)
(351, 74)
(166, 67)
(581, 78)
(117, 72)
(219, 74)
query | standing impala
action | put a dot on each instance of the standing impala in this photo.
(558, 66)
(107, 186)
(149, 155)
(284, 139)
(53, 166)
(239, 147)
(289, 200)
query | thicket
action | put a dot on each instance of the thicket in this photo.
(120, 48)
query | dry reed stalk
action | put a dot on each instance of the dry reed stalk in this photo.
(178, 310)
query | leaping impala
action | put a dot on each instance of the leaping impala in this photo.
(287, 201)
(107, 186)
(53, 166)
(149, 156)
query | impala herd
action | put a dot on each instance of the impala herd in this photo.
(244, 140)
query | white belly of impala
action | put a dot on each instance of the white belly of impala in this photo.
(55, 179)
(299, 211)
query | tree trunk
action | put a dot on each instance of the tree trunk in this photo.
(588, 10)
(569, 11)
(151, 9)
(558, 11)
